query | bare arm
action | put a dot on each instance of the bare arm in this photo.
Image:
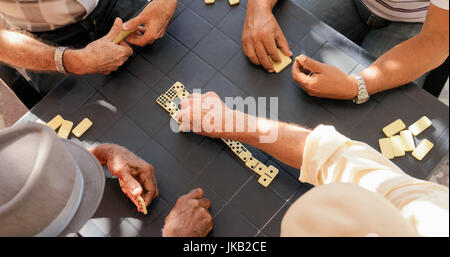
(414, 57)
(401, 65)
(21, 50)
(102, 56)
(288, 145)
(282, 140)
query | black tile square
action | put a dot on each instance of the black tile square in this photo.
(274, 227)
(149, 115)
(125, 133)
(97, 81)
(200, 156)
(233, 23)
(333, 56)
(180, 145)
(292, 29)
(346, 115)
(164, 53)
(225, 175)
(229, 223)
(188, 28)
(216, 49)
(101, 112)
(171, 176)
(124, 90)
(223, 87)
(213, 13)
(311, 43)
(144, 71)
(284, 184)
(257, 203)
(192, 72)
(77, 92)
(245, 74)
(295, 105)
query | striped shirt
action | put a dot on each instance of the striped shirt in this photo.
(44, 15)
(403, 10)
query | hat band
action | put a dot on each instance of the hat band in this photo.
(63, 219)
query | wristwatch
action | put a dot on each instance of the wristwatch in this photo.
(363, 95)
(59, 52)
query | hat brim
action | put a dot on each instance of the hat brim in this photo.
(94, 185)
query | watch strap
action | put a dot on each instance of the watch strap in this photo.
(363, 96)
(59, 53)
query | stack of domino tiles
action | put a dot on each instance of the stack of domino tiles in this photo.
(65, 126)
(397, 145)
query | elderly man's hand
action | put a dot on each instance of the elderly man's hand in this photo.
(190, 216)
(155, 18)
(204, 114)
(326, 81)
(261, 35)
(136, 177)
(100, 56)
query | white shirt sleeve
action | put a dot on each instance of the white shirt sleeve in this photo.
(331, 157)
(441, 3)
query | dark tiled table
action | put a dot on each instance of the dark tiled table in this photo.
(202, 50)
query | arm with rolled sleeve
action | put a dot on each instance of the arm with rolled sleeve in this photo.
(331, 157)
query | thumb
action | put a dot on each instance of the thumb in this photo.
(132, 24)
(115, 30)
(131, 185)
(310, 64)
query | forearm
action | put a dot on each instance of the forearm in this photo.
(21, 50)
(412, 58)
(405, 63)
(287, 140)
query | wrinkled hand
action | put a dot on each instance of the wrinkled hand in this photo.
(326, 80)
(261, 35)
(190, 216)
(136, 176)
(154, 18)
(204, 114)
(102, 55)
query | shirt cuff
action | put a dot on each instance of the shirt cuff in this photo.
(321, 144)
